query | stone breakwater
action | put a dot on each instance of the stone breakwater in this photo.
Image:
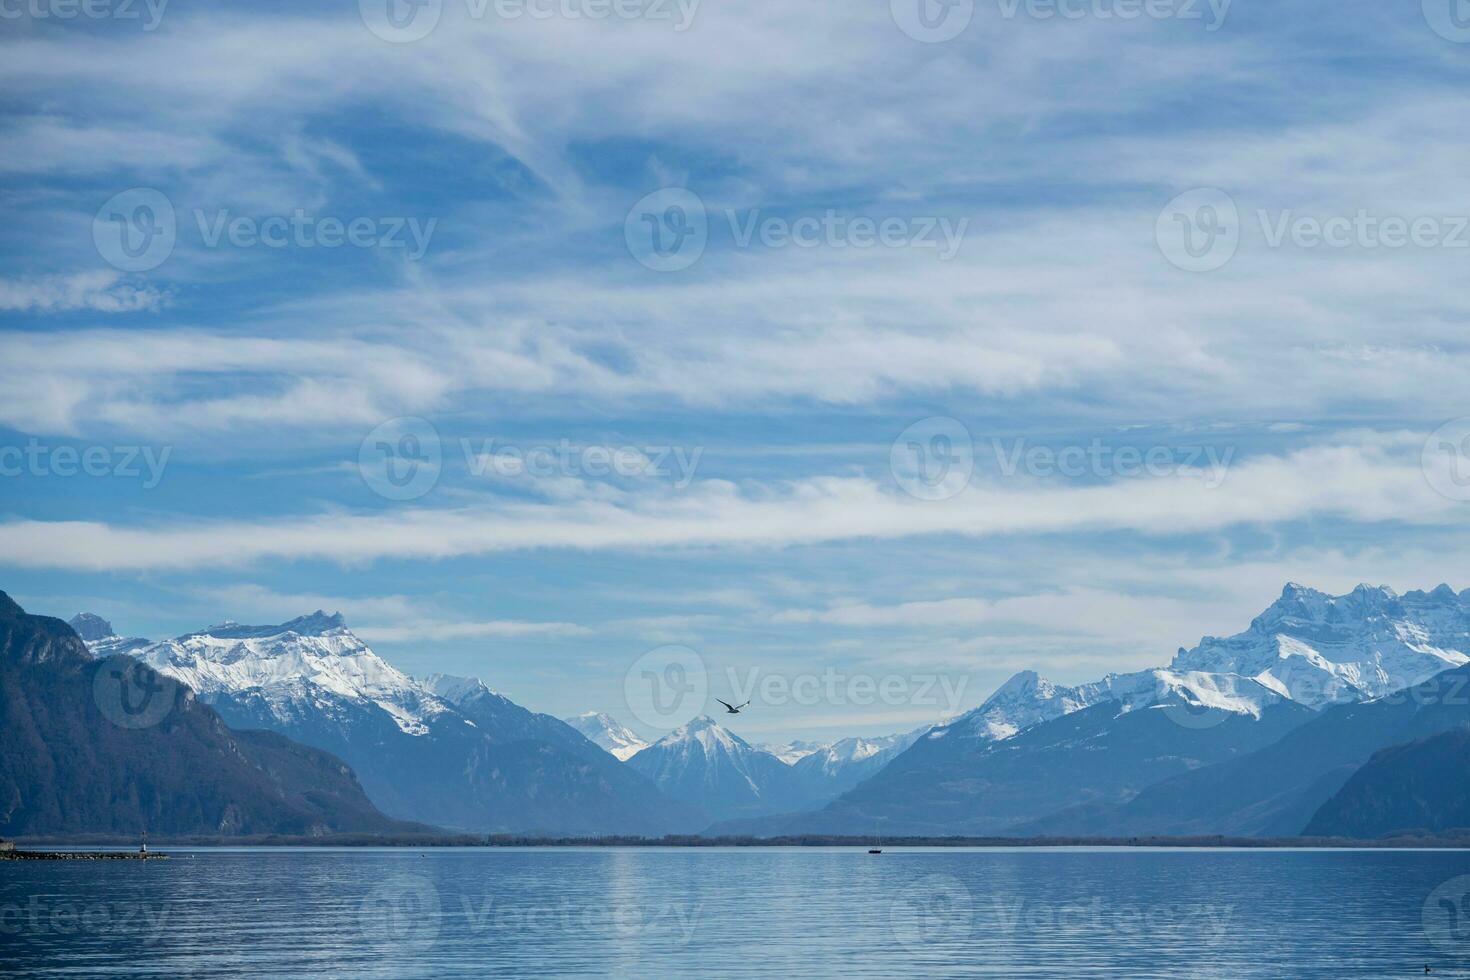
(79, 856)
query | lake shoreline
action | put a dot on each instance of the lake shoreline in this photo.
(533, 841)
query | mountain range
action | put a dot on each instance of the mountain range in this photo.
(107, 746)
(705, 764)
(445, 751)
(1331, 715)
(1041, 758)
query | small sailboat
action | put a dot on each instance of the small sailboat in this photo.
(877, 847)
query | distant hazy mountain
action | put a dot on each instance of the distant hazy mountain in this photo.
(707, 765)
(794, 751)
(604, 731)
(1422, 787)
(450, 752)
(1035, 748)
(837, 768)
(1276, 790)
(108, 747)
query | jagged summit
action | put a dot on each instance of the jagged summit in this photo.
(90, 626)
(605, 731)
(1308, 646)
(314, 624)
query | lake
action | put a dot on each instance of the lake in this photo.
(741, 912)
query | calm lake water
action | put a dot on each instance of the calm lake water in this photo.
(642, 912)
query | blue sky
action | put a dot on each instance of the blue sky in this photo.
(752, 490)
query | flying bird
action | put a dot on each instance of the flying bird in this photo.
(733, 709)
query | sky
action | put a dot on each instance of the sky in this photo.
(855, 356)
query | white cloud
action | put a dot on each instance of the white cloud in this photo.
(1376, 479)
(103, 292)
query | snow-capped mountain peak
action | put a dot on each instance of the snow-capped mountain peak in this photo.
(1307, 646)
(298, 661)
(794, 751)
(1024, 700)
(1318, 649)
(606, 732)
(90, 626)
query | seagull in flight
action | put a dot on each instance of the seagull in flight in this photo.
(733, 709)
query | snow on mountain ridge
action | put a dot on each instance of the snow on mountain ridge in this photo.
(1308, 647)
(606, 732)
(1319, 649)
(288, 663)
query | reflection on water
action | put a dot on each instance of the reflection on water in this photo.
(643, 912)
